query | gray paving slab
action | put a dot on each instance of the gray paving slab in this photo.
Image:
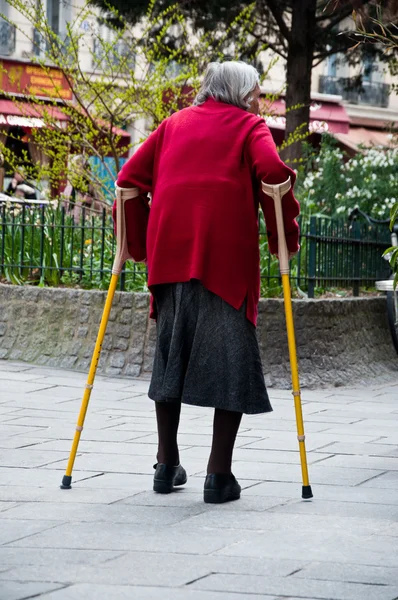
(30, 457)
(373, 449)
(95, 513)
(134, 568)
(349, 573)
(317, 589)
(51, 493)
(13, 557)
(319, 546)
(10, 367)
(99, 435)
(313, 441)
(111, 528)
(14, 531)
(388, 479)
(4, 505)
(389, 439)
(191, 498)
(115, 536)
(36, 477)
(13, 590)
(320, 473)
(93, 447)
(128, 592)
(366, 493)
(16, 375)
(15, 441)
(342, 509)
(10, 429)
(385, 463)
(252, 455)
(19, 387)
(327, 526)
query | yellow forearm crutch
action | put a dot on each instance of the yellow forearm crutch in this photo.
(122, 254)
(277, 192)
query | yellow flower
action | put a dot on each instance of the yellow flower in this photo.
(87, 242)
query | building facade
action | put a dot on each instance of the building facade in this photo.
(363, 115)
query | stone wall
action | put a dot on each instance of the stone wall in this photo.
(339, 341)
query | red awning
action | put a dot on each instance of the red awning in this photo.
(26, 114)
(359, 136)
(31, 116)
(324, 116)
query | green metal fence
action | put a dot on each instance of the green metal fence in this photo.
(43, 245)
(333, 254)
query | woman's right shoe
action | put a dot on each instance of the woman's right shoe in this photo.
(167, 478)
(221, 488)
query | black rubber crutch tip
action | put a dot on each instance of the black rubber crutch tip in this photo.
(66, 482)
(307, 492)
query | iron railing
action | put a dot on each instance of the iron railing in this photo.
(40, 244)
(369, 92)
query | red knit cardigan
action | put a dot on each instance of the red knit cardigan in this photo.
(203, 167)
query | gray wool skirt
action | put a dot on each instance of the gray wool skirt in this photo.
(206, 352)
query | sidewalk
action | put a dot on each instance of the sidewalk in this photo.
(112, 538)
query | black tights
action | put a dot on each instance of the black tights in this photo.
(225, 428)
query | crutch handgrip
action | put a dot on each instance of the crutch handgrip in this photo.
(122, 251)
(277, 192)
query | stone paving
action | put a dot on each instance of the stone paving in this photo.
(111, 537)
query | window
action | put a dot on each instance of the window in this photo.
(111, 48)
(53, 14)
(368, 68)
(7, 32)
(332, 65)
(58, 13)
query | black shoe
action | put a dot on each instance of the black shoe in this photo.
(166, 478)
(221, 488)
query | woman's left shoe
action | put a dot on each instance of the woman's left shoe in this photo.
(167, 478)
(221, 488)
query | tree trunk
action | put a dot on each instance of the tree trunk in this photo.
(298, 75)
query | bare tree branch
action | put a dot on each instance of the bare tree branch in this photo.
(342, 13)
(278, 16)
(271, 45)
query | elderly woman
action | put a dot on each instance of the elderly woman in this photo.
(203, 167)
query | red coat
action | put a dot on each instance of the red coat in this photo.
(204, 166)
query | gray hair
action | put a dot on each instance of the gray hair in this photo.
(230, 82)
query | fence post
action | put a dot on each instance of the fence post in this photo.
(82, 241)
(298, 278)
(123, 279)
(22, 240)
(42, 233)
(62, 242)
(356, 258)
(103, 226)
(312, 257)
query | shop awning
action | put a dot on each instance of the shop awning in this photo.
(25, 114)
(324, 116)
(358, 136)
(28, 115)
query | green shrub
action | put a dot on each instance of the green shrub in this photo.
(333, 185)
